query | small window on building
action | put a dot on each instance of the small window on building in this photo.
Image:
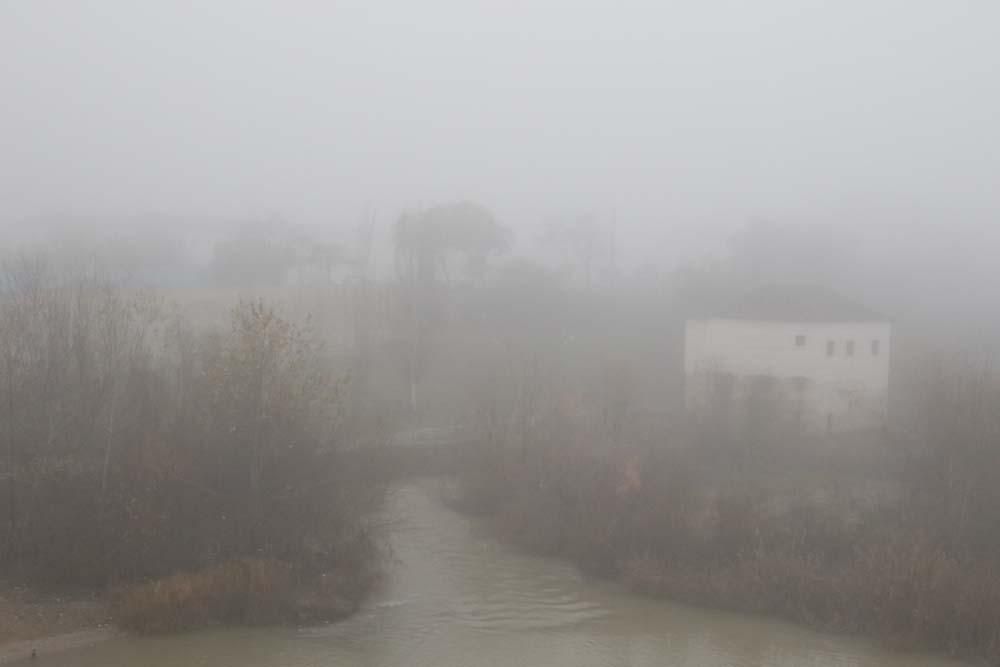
(831, 348)
(800, 340)
(849, 348)
(876, 344)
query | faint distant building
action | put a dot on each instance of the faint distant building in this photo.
(802, 355)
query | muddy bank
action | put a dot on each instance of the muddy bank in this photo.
(46, 623)
(24, 649)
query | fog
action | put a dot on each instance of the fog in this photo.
(533, 321)
(683, 118)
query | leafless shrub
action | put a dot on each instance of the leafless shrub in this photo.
(136, 448)
(676, 517)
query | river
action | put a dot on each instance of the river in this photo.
(456, 597)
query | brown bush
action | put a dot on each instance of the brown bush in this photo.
(692, 523)
(244, 591)
(135, 449)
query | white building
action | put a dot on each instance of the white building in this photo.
(818, 359)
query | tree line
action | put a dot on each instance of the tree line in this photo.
(136, 447)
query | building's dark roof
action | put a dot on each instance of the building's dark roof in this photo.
(796, 303)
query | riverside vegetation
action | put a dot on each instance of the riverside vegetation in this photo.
(188, 477)
(195, 474)
(894, 537)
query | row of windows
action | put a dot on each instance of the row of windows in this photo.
(831, 346)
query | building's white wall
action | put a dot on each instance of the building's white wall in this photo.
(846, 391)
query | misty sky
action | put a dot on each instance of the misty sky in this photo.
(677, 115)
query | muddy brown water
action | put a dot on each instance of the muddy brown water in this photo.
(457, 597)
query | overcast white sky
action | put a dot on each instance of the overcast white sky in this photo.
(679, 115)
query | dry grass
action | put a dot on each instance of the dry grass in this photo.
(241, 591)
(908, 594)
(666, 523)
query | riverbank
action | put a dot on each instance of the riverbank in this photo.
(246, 591)
(26, 615)
(456, 596)
(680, 526)
(45, 623)
(230, 483)
(238, 593)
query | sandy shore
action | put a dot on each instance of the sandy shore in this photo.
(47, 623)
(23, 649)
